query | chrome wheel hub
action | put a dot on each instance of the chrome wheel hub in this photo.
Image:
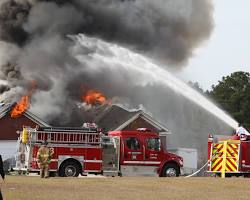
(171, 172)
(70, 170)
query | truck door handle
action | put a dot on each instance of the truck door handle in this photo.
(147, 156)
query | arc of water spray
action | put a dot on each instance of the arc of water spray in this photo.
(151, 72)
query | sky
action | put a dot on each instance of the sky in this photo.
(228, 48)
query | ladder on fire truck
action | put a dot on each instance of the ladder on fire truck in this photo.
(64, 136)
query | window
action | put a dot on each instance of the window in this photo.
(154, 144)
(133, 143)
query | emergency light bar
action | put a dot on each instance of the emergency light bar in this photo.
(89, 125)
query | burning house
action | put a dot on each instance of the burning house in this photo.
(10, 123)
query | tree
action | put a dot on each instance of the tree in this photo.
(196, 86)
(233, 94)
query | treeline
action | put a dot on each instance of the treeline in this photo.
(232, 94)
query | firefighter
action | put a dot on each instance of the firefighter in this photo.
(44, 155)
(2, 175)
(241, 130)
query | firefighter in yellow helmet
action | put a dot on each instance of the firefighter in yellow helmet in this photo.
(44, 155)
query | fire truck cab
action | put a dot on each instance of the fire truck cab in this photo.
(86, 150)
(141, 153)
(229, 155)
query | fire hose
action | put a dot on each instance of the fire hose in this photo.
(198, 170)
(224, 158)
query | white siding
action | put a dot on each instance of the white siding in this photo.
(8, 148)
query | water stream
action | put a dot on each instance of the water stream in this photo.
(144, 70)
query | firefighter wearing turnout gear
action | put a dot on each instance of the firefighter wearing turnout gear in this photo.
(44, 155)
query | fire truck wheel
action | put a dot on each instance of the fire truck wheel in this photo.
(69, 169)
(247, 175)
(170, 170)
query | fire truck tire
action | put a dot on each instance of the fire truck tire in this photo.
(171, 170)
(247, 175)
(69, 169)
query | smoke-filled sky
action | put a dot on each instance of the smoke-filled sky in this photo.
(71, 46)
(228, 48)
(35, 43)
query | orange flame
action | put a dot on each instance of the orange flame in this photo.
(93, 97)
(23, 104)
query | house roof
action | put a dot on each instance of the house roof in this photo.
(117, 118)
(4, 109)
(112, 117)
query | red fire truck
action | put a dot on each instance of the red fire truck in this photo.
(229, 155)
(87, 150)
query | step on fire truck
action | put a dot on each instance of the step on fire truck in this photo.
(229, 155)
(87, 150)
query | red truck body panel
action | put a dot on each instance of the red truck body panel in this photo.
(92, 157)
(245, 156)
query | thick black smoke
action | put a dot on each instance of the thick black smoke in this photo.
(35, 30)
(34, 42)
(10, 72)
(165, 29)
(4, 88)
(12, 17)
